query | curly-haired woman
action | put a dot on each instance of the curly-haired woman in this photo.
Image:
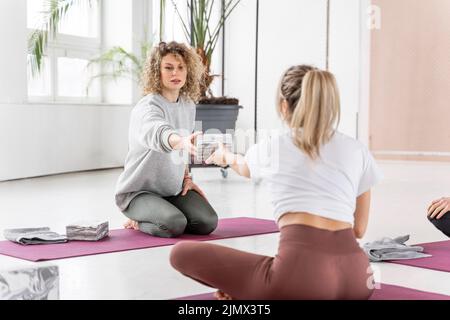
(155, 190)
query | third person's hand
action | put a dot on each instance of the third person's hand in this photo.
(438, 208)
(219, 157)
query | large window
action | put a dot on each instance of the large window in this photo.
(65, 76)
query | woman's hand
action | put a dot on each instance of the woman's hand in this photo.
(220, 157)
(223, 157)
(184, 143)
(188, 184)
(439, 208)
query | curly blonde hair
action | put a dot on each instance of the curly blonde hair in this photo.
(151, 76)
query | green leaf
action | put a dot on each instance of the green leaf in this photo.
(54, 12)
(122, 63)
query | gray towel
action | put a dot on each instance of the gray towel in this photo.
(34, 236)
(393, 249)
(87, 230)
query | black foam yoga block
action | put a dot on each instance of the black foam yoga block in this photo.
(443, 224)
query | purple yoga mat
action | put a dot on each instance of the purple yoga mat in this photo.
(386, 292)
(440, 259)
(391, 292)
(126, 239)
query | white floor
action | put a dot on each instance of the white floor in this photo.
(398, 208)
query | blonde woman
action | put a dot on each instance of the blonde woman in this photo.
(319, 181)
(155, 190)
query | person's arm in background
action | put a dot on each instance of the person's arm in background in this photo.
(361, 214)
(222, 157)
(438, 208)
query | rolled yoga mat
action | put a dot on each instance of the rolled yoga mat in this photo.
(440, 259)
(126, 239)
(385, 292)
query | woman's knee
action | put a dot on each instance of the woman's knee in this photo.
(203, 218)
(181, 255)
(207, 223)
(173, 226)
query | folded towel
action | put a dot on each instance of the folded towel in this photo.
(87, 230)
(34, 236)
(393, 249)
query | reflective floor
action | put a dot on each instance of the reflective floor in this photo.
(398, 207)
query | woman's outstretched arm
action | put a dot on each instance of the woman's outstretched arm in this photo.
(222, 157)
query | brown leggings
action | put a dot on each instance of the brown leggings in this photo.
(311, 263)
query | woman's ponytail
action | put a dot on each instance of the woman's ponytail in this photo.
(317, 112)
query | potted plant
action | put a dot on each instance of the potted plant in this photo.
(203, 34)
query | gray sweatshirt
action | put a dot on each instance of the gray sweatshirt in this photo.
(151, 166)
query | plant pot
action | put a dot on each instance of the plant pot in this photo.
(215, 116)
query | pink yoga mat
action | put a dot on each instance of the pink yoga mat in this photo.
(391, 292)
(386, 292)
(440, 259)
(126, 239)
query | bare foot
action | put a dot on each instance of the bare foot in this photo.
(220, 295)
(130, 224)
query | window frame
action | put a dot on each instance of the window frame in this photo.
(71, 46)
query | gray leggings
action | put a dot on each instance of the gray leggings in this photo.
(170, 217)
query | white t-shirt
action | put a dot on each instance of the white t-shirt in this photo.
(327, 187)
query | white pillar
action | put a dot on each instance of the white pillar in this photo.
(13, 52)
(142, 31)
(117, 20)
(364, 104)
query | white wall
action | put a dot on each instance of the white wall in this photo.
(38, 140)
(365, 41)
(117, 31)
(142, 24)
(13, 53)
(291, 32)
(41, 139)
(294, 32)
(240, 44)
(216, 59)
